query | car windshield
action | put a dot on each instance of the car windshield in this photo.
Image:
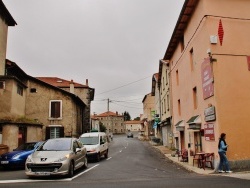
(56, 145)
(26, 147)
(92, 140)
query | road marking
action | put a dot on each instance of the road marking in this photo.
(108, 158)
(32, 180)
(84, 171)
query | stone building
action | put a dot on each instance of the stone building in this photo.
(114, 122)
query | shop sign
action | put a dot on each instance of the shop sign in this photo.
(210, 114)
(209, 131)
(207, 79)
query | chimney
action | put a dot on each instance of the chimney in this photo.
(116, 113)
(71, 87)
(87, 82)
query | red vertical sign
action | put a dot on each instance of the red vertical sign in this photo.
(207, 79)
(209, 131)
(220, 32)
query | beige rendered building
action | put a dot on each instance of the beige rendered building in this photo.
(148, 115)
(133, 125)
(209, 75)
(113, 121)
(164, 96)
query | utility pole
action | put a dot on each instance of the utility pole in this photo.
(108, 104)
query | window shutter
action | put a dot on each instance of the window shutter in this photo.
(61, 129)
(47, 136)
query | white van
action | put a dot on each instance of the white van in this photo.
(96, 144)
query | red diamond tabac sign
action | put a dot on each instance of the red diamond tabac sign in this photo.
(220, 32)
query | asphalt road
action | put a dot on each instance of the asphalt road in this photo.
(131, 164)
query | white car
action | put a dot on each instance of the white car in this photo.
(58, 156)
(96, 144)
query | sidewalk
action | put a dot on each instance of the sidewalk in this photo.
(207, 171)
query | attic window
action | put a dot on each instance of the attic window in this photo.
(32, 90)
(59, 81)
(2, 85)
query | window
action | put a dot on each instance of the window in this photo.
(179, 107)
(161, 108)
(182, 43)
(177, 77)
(166, 77)
(32, 90)
(163, 83)
(165, 106)
(55, 109)
(195, 97)
(168, 102)
(19, 90)
(192, 59)
(2, 85)
(54, 131)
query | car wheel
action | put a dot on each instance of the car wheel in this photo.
(98, 157)
(85, 163)
(106, 154)
(71, 170)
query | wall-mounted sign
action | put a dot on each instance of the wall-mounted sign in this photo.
(209, 131)
(207, 79)
(210, 114)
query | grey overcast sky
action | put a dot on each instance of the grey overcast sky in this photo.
(115, 44)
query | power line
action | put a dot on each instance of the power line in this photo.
(123, 85)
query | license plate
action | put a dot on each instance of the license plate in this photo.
(42, 173)
(4, 162)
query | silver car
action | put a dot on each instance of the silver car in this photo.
(58, 156)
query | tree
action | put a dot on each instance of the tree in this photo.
(102, 127)
(127, 116)
(137, 119)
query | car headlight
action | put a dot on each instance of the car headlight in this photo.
(16, 156)
(92, 150)
(29, 159)
(62, 158)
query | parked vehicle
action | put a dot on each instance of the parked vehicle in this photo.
(96, 144)
(17, 158)
(130, 135)
(57, 156)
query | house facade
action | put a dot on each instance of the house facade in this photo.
(148, 116)
(32, 110)
(84, 92)
(163, 84)
(133, 125)
(6, 20)
(209, 63)
(113, 122)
